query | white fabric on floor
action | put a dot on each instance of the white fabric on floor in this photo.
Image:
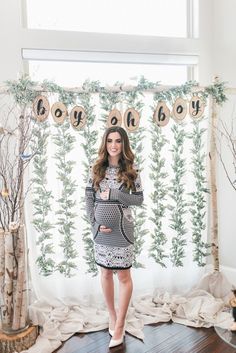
(198, 308)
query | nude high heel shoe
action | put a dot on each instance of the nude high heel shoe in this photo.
(111, 332)
(114, 343)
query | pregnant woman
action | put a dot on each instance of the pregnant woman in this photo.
(113, 186)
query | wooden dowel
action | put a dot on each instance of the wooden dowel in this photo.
(213, 187)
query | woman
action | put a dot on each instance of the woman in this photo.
(232, 303)
(114, 185)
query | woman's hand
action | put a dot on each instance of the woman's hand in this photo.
(105, 194)
(104, 229)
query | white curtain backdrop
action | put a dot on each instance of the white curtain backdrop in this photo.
(56, 287)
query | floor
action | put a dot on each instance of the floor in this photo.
(159, 338)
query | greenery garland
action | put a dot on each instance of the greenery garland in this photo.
(108, 101)
(158, 196)
(67, 97)
(198, 203)
(132, 99)
(65, 144)
(41, 200)
(90, 139)
(172, 93)
(24, 90)
(179, 206)
(217, 91)
(89, 146)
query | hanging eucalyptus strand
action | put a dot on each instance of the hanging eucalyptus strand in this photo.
(158, 197)
(198, 203)
(42, 200)
(67, 97)
(172, 93)
(144, 84)
(22, 90)
(108, 101)
(216, 90)
(65, 144)
(90, 136)
(136, 138)
(179, 206)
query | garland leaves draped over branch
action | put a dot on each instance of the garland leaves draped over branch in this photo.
(179, 206)
(108, 101)
(198, 203)
(42, 201)
(89, 146)
(25, 90)
(157, 249)
(132, 99)
(65, 144)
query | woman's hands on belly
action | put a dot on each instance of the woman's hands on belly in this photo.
(105, 196)
(106, 215)
(104, 229)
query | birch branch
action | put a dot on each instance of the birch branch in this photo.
(19, 315)
(8, 285)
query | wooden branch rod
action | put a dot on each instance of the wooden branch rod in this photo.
(213, 188)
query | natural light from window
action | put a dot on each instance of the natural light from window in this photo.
(73, 74)
(167, 18)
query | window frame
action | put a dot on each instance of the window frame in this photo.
(76, 45)
(192, 16)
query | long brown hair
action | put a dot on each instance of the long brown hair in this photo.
(126, 172)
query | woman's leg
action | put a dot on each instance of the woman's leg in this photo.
(108, 291)
(125, 292)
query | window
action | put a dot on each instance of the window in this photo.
(75, 73)
(167, 18)
(74, 67)
(109, 58)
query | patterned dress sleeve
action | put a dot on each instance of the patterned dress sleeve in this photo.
(133, 199)
(89, 202)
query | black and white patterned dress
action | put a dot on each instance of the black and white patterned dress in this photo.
(113, 250)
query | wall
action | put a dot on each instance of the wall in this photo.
(10, 39)
(224, 49)
(224, 59)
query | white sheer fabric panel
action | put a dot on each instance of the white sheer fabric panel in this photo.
(56, 287)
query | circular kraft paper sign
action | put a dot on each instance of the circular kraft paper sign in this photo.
(114, 118)
(41, 108)
(196, 107)
(179, 110)
(131, 119)
(59, 112)
(162, 114)
(78, 117)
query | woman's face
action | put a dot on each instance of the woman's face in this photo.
(114, 144)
